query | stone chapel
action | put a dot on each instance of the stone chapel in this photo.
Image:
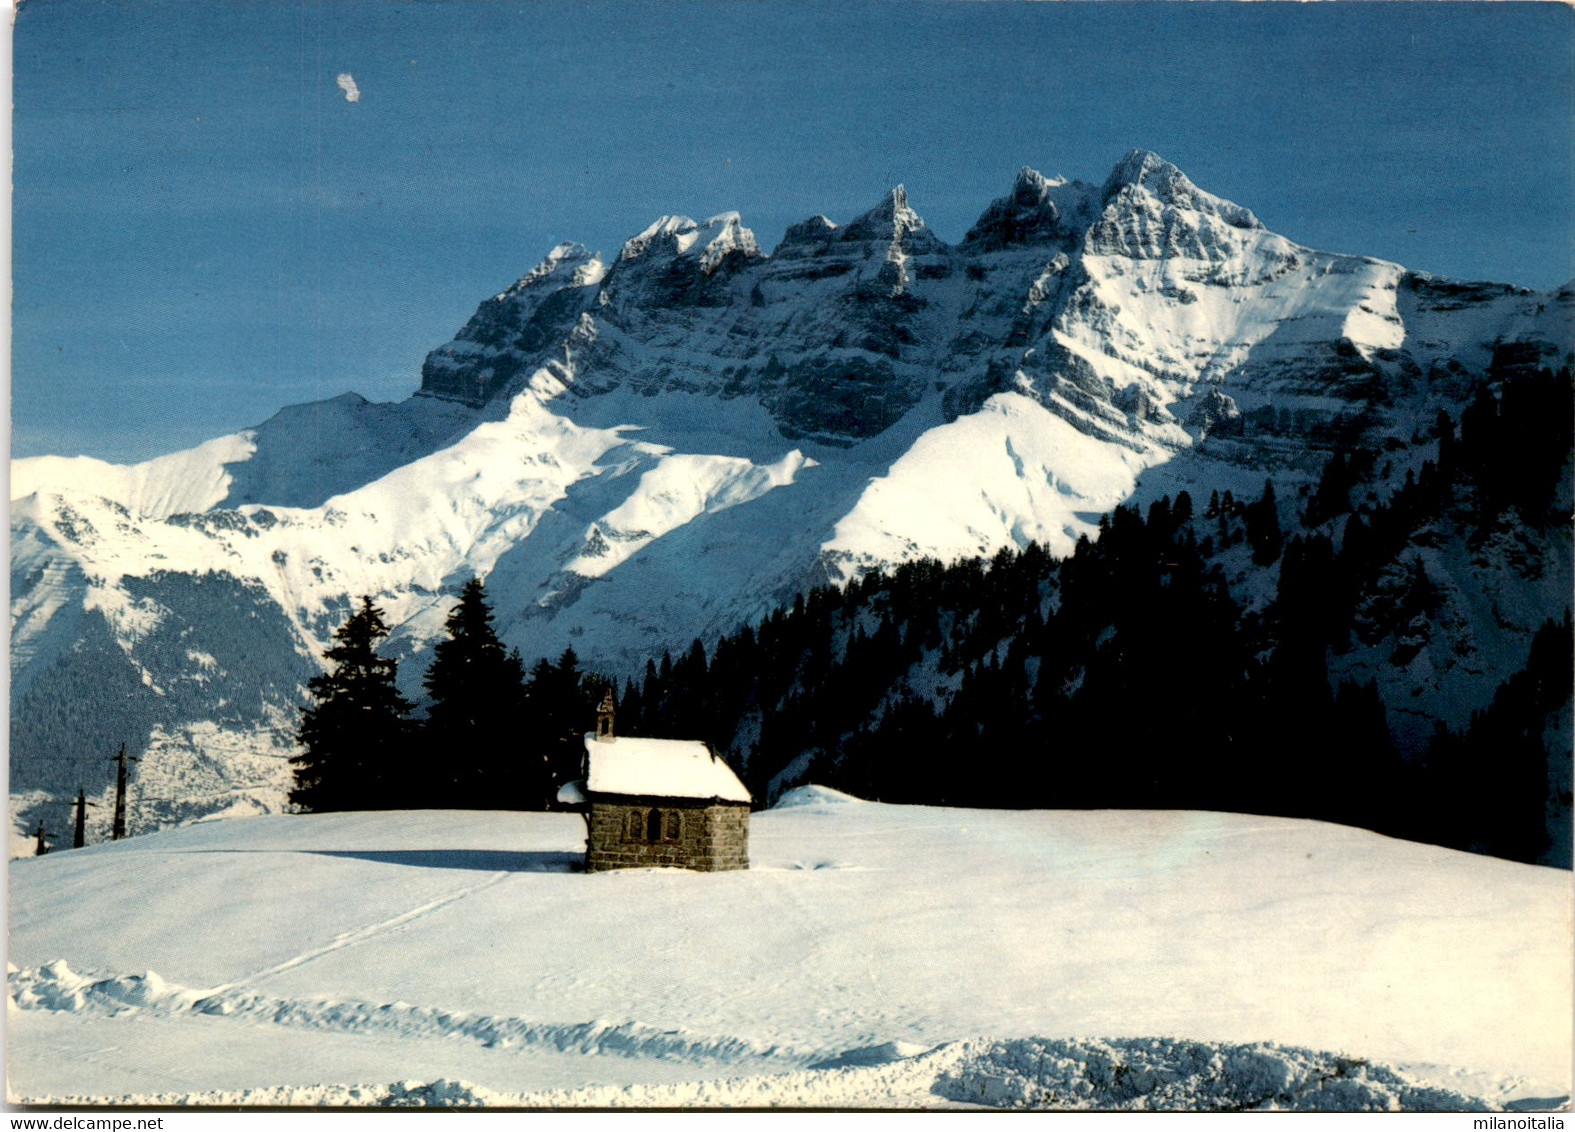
(658, 803)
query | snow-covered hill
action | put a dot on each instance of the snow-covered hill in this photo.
(639, 451)
(873, 954)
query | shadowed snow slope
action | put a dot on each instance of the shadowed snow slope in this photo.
(275, 953)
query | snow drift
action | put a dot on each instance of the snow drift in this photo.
(1122, 1075)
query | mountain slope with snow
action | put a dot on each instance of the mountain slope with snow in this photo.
(639, 451)
(281, 952)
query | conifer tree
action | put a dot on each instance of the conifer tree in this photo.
(1332, 497)
(1263, 527)
(560, 708)
(473, 725)
(355, 739)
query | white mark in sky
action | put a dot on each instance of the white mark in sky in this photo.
(346, 83)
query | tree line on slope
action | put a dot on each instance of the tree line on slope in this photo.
(1126, 675)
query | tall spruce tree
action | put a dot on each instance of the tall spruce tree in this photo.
(1263, 527)
(561, 708)
(355, 739)
(473, 725)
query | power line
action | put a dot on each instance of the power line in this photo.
(118, 830)
(79, 838)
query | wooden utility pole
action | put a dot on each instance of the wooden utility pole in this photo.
(118, 830)
(39, 848)
(81, 833)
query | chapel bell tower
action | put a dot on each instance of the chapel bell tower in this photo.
(604, 719)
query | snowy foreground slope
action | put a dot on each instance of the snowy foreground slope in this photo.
(873, 955)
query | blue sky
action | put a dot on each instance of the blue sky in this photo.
(205, 230)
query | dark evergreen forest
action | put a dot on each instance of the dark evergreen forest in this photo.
(1127, 675)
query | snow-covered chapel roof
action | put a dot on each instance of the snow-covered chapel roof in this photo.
(661, 768)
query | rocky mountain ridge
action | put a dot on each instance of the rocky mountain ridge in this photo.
(637, 452)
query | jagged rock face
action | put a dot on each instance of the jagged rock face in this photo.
(637, 453)
(821, 334)
(514, 329)
(1108, 305)
(1037, 211)
(677, 265)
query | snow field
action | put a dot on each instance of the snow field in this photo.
(297, 951)
(194, 479)
(402, 536)
(1011, 474)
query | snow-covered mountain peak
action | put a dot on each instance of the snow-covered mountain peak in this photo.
(541, 307)
(1140, 166)
(675, 264)
(1151, 211)
(680, 236)
(1142, 173)
(1030, 179)
(663, 228)
(567, 265)
(805, 237)
(1038, 209)
(894, 220)
(726, 234)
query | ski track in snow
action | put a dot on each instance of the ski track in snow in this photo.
(361, 935)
